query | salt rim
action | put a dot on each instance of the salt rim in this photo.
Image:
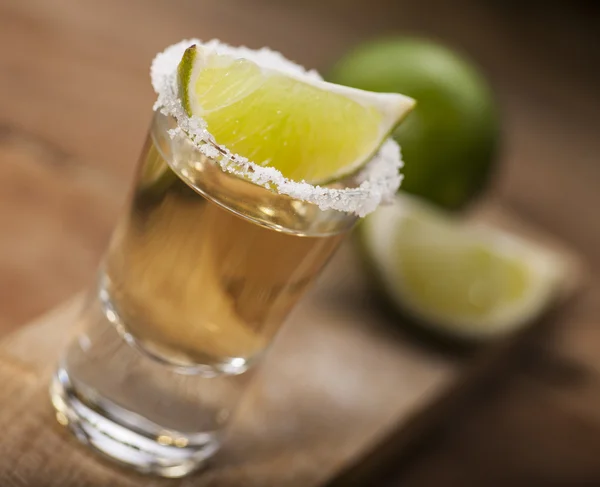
(379, 179)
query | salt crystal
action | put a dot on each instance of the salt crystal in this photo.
(379, 180)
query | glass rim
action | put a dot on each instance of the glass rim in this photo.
(377, 182)
(235, 192)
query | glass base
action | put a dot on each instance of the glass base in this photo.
(126, 437)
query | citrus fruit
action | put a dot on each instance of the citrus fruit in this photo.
(306, 128)
(450, 139)
(465, 281)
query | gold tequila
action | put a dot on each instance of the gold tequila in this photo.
(209, 259)
(199, 276)
(205, 267)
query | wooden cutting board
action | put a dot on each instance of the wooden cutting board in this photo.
(338, 378)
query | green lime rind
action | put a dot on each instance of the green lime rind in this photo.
(451, 140)
(307, 129)
(509, 312)
(184, 75)
(403, 316)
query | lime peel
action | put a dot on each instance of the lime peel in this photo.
(378, 181)
(431, 265)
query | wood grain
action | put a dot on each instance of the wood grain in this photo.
(334, 382)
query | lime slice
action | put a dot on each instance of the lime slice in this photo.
(471, 282)
(306, 128)
(452, 137)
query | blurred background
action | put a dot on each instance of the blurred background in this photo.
(75, 103)
(74, 84)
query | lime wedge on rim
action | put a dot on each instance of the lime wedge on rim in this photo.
(465, 281)
(307, 129)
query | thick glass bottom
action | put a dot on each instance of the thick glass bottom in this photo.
(126, 437)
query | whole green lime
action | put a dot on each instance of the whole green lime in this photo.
(450, 139)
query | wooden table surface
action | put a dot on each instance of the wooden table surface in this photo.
(75, 101)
